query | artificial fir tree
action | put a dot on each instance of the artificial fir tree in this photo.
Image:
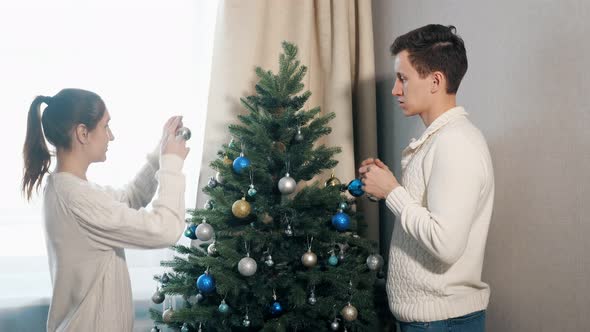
(278, 260)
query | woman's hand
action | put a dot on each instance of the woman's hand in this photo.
(170, 144)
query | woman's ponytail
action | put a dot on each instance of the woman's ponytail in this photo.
(37, 158)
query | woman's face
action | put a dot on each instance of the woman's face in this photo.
(99, 138)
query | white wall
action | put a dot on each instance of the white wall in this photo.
(527, 89)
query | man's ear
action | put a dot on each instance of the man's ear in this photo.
(81, 134)
(438, 82)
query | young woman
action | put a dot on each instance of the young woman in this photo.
(87, 225)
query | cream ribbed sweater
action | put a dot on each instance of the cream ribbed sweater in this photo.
(87, 226)
(443, 208)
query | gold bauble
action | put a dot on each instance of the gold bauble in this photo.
(241, 208)
(333, 181)
(267, 218)
(227, 161)
(309, 259)
(167, 315)
(349, 313)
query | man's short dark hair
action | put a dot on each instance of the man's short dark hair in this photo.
(435, 47)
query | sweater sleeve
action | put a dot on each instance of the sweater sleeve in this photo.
(453, 192)
(140, 191)
(111, 223)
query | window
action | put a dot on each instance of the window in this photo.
(148, 59)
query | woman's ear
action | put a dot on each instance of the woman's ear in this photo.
(81, 134)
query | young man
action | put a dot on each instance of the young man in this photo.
(443, 203)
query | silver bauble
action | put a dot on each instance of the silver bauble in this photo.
(158, 297)
(167, 315)
(212, 183)
(298, 136)
(184, 132)
(287, 185)
(219, 178)
(341, 257)
(204, 231)
(335, 325)
(309, 259)
(247, 266)
(155, 329)
(212, 249)
(208, 205)
(199, 297)
(375, 262)
(246, 322)
(349, 313)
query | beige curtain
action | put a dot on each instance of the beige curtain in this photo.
(335, 41)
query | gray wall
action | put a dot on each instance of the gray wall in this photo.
(528, 90)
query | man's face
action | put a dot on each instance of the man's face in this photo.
(412, 92)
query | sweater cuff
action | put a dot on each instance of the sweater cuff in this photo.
(397, 200)
(171, 162)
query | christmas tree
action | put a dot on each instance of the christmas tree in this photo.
(274, 259)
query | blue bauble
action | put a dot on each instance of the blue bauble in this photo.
(223, 307)
(252, 192)
(355, 188)
(341, 221)
(333, 260)
(206, 283)
(240, 164)
(276, 308)
(190, 231)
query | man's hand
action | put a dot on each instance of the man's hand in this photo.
(377, 179)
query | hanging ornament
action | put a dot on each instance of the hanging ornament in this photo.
(246, 321)
(219, 178)
(167, 315)
(247, 266)
(231, 143)
(252, 191)
(241, 208)
(184, 328)
(343, 206)
(212, 182)
(268, 261)
(155, 329)
(190, 231)
(199, 297)
(275, 308)
(343, 247)
(241, 163)
(312, 300)
(209, 205)
(335, 325)
(287, 185)
(204, 231)
(341, 221)
(223, 307)
(299, 137)
(279, 146)
(267, 218)
(333, 181)
(206, 283)
(212, 249)
(355, 188)
(184, 132)
(158, 296)
(165, 279)
(374, 262)
(333, 260)
(349, 313)
(309, 259)
(289, 230)
(226, 161)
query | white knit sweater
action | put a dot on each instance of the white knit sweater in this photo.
(443, 208)
(87, 226)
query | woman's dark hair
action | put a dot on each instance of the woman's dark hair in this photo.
(63, 113)
(435, 47)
